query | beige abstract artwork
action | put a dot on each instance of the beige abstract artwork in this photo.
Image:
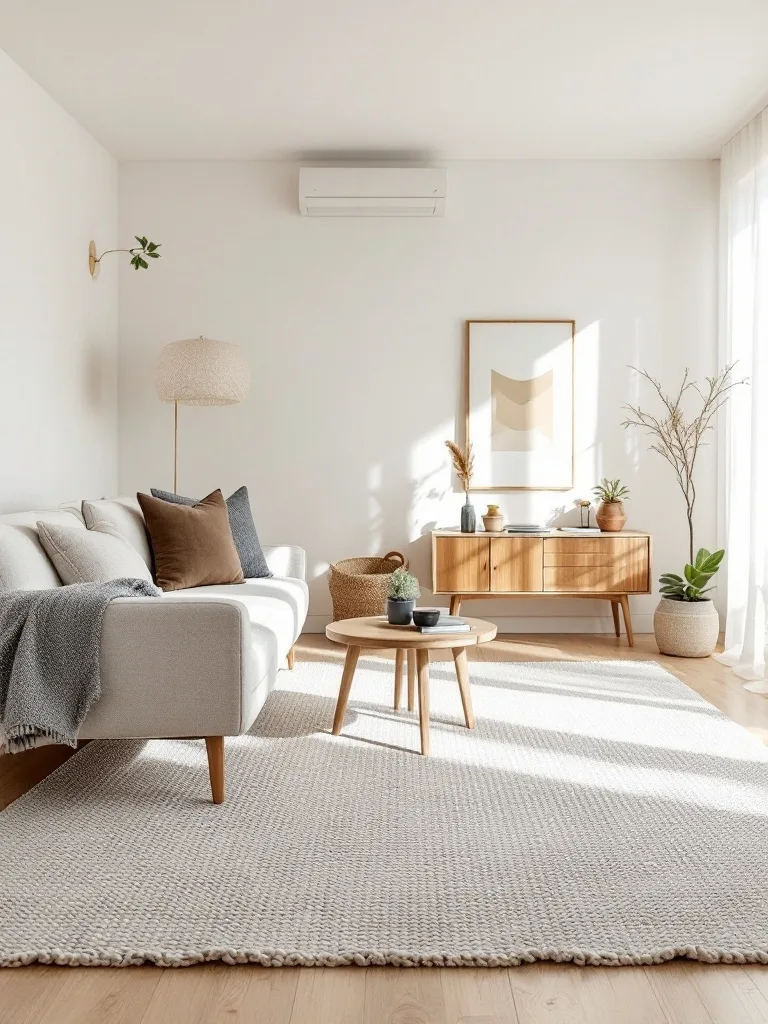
(522, 412)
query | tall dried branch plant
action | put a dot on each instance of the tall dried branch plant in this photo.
(678, 436)
(463, 463)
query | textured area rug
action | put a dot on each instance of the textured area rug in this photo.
(600, 812)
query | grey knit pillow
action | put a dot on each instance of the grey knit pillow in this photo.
(241, 523)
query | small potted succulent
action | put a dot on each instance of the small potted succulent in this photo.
(686, 623)
(401, 598)
(610, 515)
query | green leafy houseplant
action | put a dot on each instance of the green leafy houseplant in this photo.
(145, 248)
(403, 586)
(610, 491)
(693, 584)
(610, 515)
(403, 591)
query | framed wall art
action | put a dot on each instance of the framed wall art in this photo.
(519, 403)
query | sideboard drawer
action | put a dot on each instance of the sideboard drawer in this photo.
(620, 565)
(462, 565)
(606, 549)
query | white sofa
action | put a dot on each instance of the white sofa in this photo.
(191, 663)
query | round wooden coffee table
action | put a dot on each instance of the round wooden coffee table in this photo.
(376, 633)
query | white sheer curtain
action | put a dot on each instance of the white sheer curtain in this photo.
(744, 340)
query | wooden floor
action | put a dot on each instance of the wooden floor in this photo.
(678, 993)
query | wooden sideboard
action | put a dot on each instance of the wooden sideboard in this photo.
(608, 566)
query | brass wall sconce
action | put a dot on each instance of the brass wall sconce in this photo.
(139, 255)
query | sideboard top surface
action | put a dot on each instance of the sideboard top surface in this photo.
(560, 534)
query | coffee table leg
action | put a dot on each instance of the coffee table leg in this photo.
(422, 663)
(398, 676)
(411, 679)
(350, 664)
(462, 674)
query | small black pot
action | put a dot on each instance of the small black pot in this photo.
(426, 616)
(399, 613)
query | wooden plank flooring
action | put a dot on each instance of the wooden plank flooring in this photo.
(676, 993)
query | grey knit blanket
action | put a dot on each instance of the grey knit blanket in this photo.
(49, 659)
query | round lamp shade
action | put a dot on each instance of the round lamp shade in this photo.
(200, 371)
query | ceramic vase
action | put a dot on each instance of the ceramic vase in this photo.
(493, 520)
(468, 518)
(686, 629)
(610, 516)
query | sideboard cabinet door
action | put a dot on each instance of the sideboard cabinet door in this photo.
(517, 565)
(462, 565)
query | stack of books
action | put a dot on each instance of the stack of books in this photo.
(524, 528)
(447, 624)
(579, 529)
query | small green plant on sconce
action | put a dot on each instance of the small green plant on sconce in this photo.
(139, 254)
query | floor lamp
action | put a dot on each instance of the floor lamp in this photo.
(200, 371)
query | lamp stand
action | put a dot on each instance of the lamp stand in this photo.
(175, 446)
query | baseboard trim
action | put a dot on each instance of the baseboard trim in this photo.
(642, 623)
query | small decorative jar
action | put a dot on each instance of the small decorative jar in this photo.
(493, 520)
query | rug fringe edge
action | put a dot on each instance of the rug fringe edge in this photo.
(283, 958)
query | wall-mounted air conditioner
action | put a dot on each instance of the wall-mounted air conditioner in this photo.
(372, 192)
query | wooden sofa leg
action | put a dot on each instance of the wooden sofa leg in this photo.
(214, 746)
(291, 659)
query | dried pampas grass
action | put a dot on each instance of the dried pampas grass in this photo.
(463, 462)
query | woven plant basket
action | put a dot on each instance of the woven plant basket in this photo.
(359, 586)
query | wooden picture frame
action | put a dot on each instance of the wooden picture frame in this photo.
(520, 424)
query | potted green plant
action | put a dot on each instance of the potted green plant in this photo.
(610, 515)
(686, 623)
(401, 597)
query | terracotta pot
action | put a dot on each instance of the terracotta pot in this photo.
(610, 516)
(686, 629)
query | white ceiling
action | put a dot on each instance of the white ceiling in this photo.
(453, 79)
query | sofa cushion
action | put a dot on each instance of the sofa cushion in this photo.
(192, 545)
(252, 560)
(276, 608)
(24, 564)
(91, 556)
(122, 518)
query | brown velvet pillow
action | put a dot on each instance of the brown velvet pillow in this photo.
(192, 544)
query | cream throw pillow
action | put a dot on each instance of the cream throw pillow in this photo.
(124, 518)
(91, 556)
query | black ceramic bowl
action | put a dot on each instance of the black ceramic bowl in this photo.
(425, 616)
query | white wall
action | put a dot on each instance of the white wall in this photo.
(58, 328)
(354, 330)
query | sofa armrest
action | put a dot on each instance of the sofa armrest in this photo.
(287, 560)
(172, 666)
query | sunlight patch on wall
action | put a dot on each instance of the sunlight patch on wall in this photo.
(375, 507)
(435, 501)
(586, 389)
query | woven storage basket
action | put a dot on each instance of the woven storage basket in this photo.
(359, 586)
